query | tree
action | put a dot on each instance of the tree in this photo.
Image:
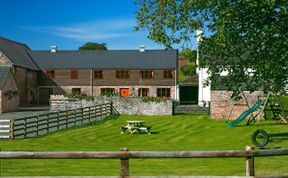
(189, 54)
(247, 38)
(93, 46)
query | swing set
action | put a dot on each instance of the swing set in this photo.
(259, 138)
(258, 106)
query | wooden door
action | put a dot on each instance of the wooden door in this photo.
(124, 91)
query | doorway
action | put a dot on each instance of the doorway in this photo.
(124, 92)
(44, 95)
(188, 94)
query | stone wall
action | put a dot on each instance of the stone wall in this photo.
(124, 105)
(221, 104)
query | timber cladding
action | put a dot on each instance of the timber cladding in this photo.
(26, 81)
(63, 78)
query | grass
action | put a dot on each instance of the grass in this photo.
(170, 133)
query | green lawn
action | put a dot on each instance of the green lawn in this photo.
(169, 133)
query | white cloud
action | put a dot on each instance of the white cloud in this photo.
(97, 30)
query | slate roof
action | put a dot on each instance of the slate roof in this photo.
(17, 53)
(4, 70)
(106, 59)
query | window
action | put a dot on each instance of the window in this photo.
(51, 73)
(98, 74)
(143, 91)
(147, 74)
(76, 91)
(122, 74)
(107, 91)
(73, 74)
(163, 92)
(167, 74)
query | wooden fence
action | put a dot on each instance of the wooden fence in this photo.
(124, 155)
(54, 121)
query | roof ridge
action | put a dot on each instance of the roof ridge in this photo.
(103, 50)
(15, 42)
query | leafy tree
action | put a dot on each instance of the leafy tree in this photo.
(189, 54)
(247, 38)
(93, 46)
(188, 69)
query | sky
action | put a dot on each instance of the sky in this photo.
(69, 24)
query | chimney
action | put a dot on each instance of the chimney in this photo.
(199, 34)
(141, 48)
(53, 49)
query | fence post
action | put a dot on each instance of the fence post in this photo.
(124, 164)
(11, 129)
(173, 107)
(37, 125)
(250, 162)
(89, 114)
(74, 117)
(47, 123)
(58, 117)
(25, 127)
(82, 116)
(111, 108)
(209, 107)
(67, 118)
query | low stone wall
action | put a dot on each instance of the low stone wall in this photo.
(221, 104)
(124, 105)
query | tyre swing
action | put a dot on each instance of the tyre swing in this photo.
(260, 137)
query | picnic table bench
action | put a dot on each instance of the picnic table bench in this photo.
(135, 126)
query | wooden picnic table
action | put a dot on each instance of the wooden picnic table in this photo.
(135, 126)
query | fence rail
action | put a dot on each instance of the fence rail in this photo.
(124, 155)
(55, 121)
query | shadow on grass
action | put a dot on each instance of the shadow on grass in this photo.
(251, 125)
(278, 137)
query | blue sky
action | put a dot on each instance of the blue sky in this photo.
(70, 23)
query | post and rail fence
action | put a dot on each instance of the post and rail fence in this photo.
(124, 155)
(54, 121)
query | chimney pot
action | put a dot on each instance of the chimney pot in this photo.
(53, 49)
(142, 48)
